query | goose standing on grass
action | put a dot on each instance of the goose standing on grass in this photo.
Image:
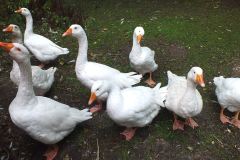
(142, 58)
(131, 107)
(183, 99)
(42, 48)
(44, 119)
(228, 94)
(42, 79)
(89, 72)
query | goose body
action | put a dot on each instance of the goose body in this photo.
(130, 107)
(183, 99)
(180, 100)
(42, 79)
(89, 72)
(139, 106)
(42, 48)
(92, 72)
(228, 95)
(44, 119)
(142, 58)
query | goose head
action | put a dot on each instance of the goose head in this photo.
(14, 29)
(98, 89)
(139, 32)
(23, 11)
(196, 75)
(17, 51)
(74, 30)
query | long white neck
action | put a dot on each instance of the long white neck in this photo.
(191, 89)
(15, 67)
(25, 93)
(17, 38)
(136, 47)
(82, 50)
(191, 84)
(29, 25)
(114, 100)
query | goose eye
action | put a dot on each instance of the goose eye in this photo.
(75, 27)
(194, 72)
(19, 49)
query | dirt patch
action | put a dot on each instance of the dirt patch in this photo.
(235, 68)
(166, 52)
(176, 51)
(231, 3)
(156, 141)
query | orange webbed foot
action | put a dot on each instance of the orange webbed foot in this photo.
(41, 65)
(51, 152)
(177, 124)
(224, 119)
(236, 123)
(150, 82)
(190, 122)
(96, 108)
(128, 133)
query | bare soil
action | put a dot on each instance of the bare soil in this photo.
(100, 138)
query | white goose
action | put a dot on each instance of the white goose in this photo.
(42, 79)
(44, 119)
(89, 72)
(228, 94)
(142, 58)
(42, 48)
(131, 107)
(183, 99)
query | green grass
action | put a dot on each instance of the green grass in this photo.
(209, 33)
(208, 30)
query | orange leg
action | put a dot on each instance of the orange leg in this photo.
(129, 133)
(190, 122)
(150, 81)
(235, 121)
(96, 108)
(177, 124)
(41, 65)
(51, 152)
(224, 119)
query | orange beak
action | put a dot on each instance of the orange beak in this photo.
(139, 38)
(93, 97)
(19, 10)
(6, 46)
(8, 29)
(200, 81)
(68, 32)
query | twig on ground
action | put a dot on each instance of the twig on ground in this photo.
(220, 142)
(97, 150)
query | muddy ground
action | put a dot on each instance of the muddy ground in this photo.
(100, 137)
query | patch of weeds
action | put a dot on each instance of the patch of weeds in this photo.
(164, 130)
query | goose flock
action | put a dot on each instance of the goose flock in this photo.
(49, 121)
